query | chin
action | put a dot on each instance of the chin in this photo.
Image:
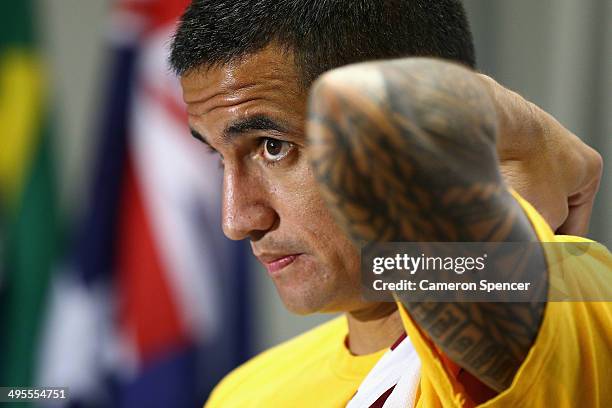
(307, 297)
(302, 304)
(307, 287)
(316, 300)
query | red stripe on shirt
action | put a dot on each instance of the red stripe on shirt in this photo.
(382, 399)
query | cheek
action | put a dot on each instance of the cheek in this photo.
(304, 208)
(305, 217)
(316, 223)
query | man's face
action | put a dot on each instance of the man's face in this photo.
(252, 113)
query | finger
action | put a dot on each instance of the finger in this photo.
(578, 219)
(581, 202)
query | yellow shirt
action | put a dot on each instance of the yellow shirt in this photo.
(570, 364)
(314, 369)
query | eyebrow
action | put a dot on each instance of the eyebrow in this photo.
(242, 126)
(256, 122)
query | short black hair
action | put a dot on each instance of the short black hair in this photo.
(321, 34)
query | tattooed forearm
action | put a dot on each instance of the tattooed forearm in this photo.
(405, 151)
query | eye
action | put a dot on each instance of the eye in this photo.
(275, 150)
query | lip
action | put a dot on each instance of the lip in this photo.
(274, 263)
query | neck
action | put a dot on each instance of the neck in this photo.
(374, 328)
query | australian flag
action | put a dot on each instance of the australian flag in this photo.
(150, 308)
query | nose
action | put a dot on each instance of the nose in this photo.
(246, 212)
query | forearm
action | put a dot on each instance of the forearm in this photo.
(411, 142)
(405, 151)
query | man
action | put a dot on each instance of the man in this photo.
(246, 68)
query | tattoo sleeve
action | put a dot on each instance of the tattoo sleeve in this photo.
(404, 150)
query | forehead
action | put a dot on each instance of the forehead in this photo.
(268, 78)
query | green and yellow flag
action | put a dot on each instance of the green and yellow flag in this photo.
(28, 211)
